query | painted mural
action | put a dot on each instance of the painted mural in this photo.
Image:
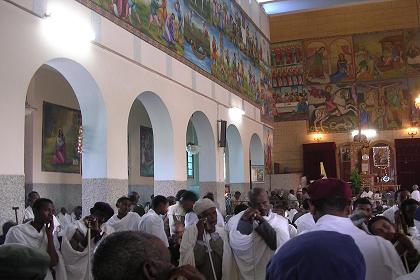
(332, 108)
(329, 60)
(384, 105)
(146, 152)
(291, 103)
(268, 149)
(379, 56)
(414, 88)
(287, 53)
(215, 35)
(412, 52)
(60, 132)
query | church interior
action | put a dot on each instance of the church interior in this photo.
(103, 98)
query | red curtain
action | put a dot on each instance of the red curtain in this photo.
(408, 161)
(314, 154)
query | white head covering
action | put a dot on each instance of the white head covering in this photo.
(202, 205)
(415, 187)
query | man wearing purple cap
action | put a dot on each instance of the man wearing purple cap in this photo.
(330, 204)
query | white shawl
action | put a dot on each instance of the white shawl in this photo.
(189, 239)
(26, 234)
(75, 262)
(131, 221)
(251, 252)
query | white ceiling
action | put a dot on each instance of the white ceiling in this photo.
(273, 7)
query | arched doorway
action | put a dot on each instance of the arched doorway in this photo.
(256, 157)
(60, 148)
(234, 160)
(150, 146)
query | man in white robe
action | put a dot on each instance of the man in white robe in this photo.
(124, 219)
(255, 234)
(74, 244)
(415, 194)
(400, 196)
(39, 233)
(176, 212)
(28, 213)
(304, 223)
(203, 233)
(152, 222)
(330, 202)
(64, 218)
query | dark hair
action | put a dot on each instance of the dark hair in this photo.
(304, 189)
(397, 192)
(121, 199)
(121, 255)
(41, 203)
(292, 191)
(305, 204)
(336, 203)
(179, 194)
(210, 196)
(374, 220)
(159, 199)
(282, 204)
(104, 208)
(239, 208)
(7, 225)
(361, 201)
(237, 192)
(189, 195)
(407, 203)
(252, 195)
(32, 192)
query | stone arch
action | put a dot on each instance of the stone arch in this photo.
(256, 150)
(235, 155)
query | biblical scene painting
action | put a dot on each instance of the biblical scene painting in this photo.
(60, 132)
(268, 149)
(332, 108)
(287, 53)
(412, 52)
(291, 103)
(384, 105)
(329, 60)
(379, 56)
(146, 152)
(215, 35)
(381, 156)
(414, 88)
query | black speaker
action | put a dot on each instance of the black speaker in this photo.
(222, 134)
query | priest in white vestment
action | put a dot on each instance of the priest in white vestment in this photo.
(74, 244)
(415, 194)
(152, 222)
(255, 234)
(39, 233)
(124, 219)
(304, 223)
(330, 204)
(205, 233)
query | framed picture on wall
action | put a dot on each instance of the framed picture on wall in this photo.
(257, 173)
(60, 132)
(381, 156)
(146, 152)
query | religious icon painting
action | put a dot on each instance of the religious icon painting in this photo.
(384, 105)
(60, 133)
(341, 60)
(146, 152)
(291, 103)
(316, 62)
(268, 149)
(287, 76)
(381, 156)
(332, 108)
(414, 89)
(412, 52)
(287, 53)
(379, 56)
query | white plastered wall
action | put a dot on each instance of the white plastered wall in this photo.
(128, 68)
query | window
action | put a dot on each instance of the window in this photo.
(190, 165)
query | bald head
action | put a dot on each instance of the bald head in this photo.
(130, 255)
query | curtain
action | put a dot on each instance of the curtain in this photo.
(314, 154)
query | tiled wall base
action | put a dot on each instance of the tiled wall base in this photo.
(167, 188)
(102, 189)
(12, 194)
(218, 189)
(144, 191)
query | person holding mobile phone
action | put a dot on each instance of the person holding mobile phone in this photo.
(205, 245)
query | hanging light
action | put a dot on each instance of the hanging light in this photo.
(192, 149)
(417, 102)
(29, 109)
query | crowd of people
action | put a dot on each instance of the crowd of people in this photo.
(320, 231)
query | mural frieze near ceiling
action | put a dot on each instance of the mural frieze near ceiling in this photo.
(338, 84)
(214, 37)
